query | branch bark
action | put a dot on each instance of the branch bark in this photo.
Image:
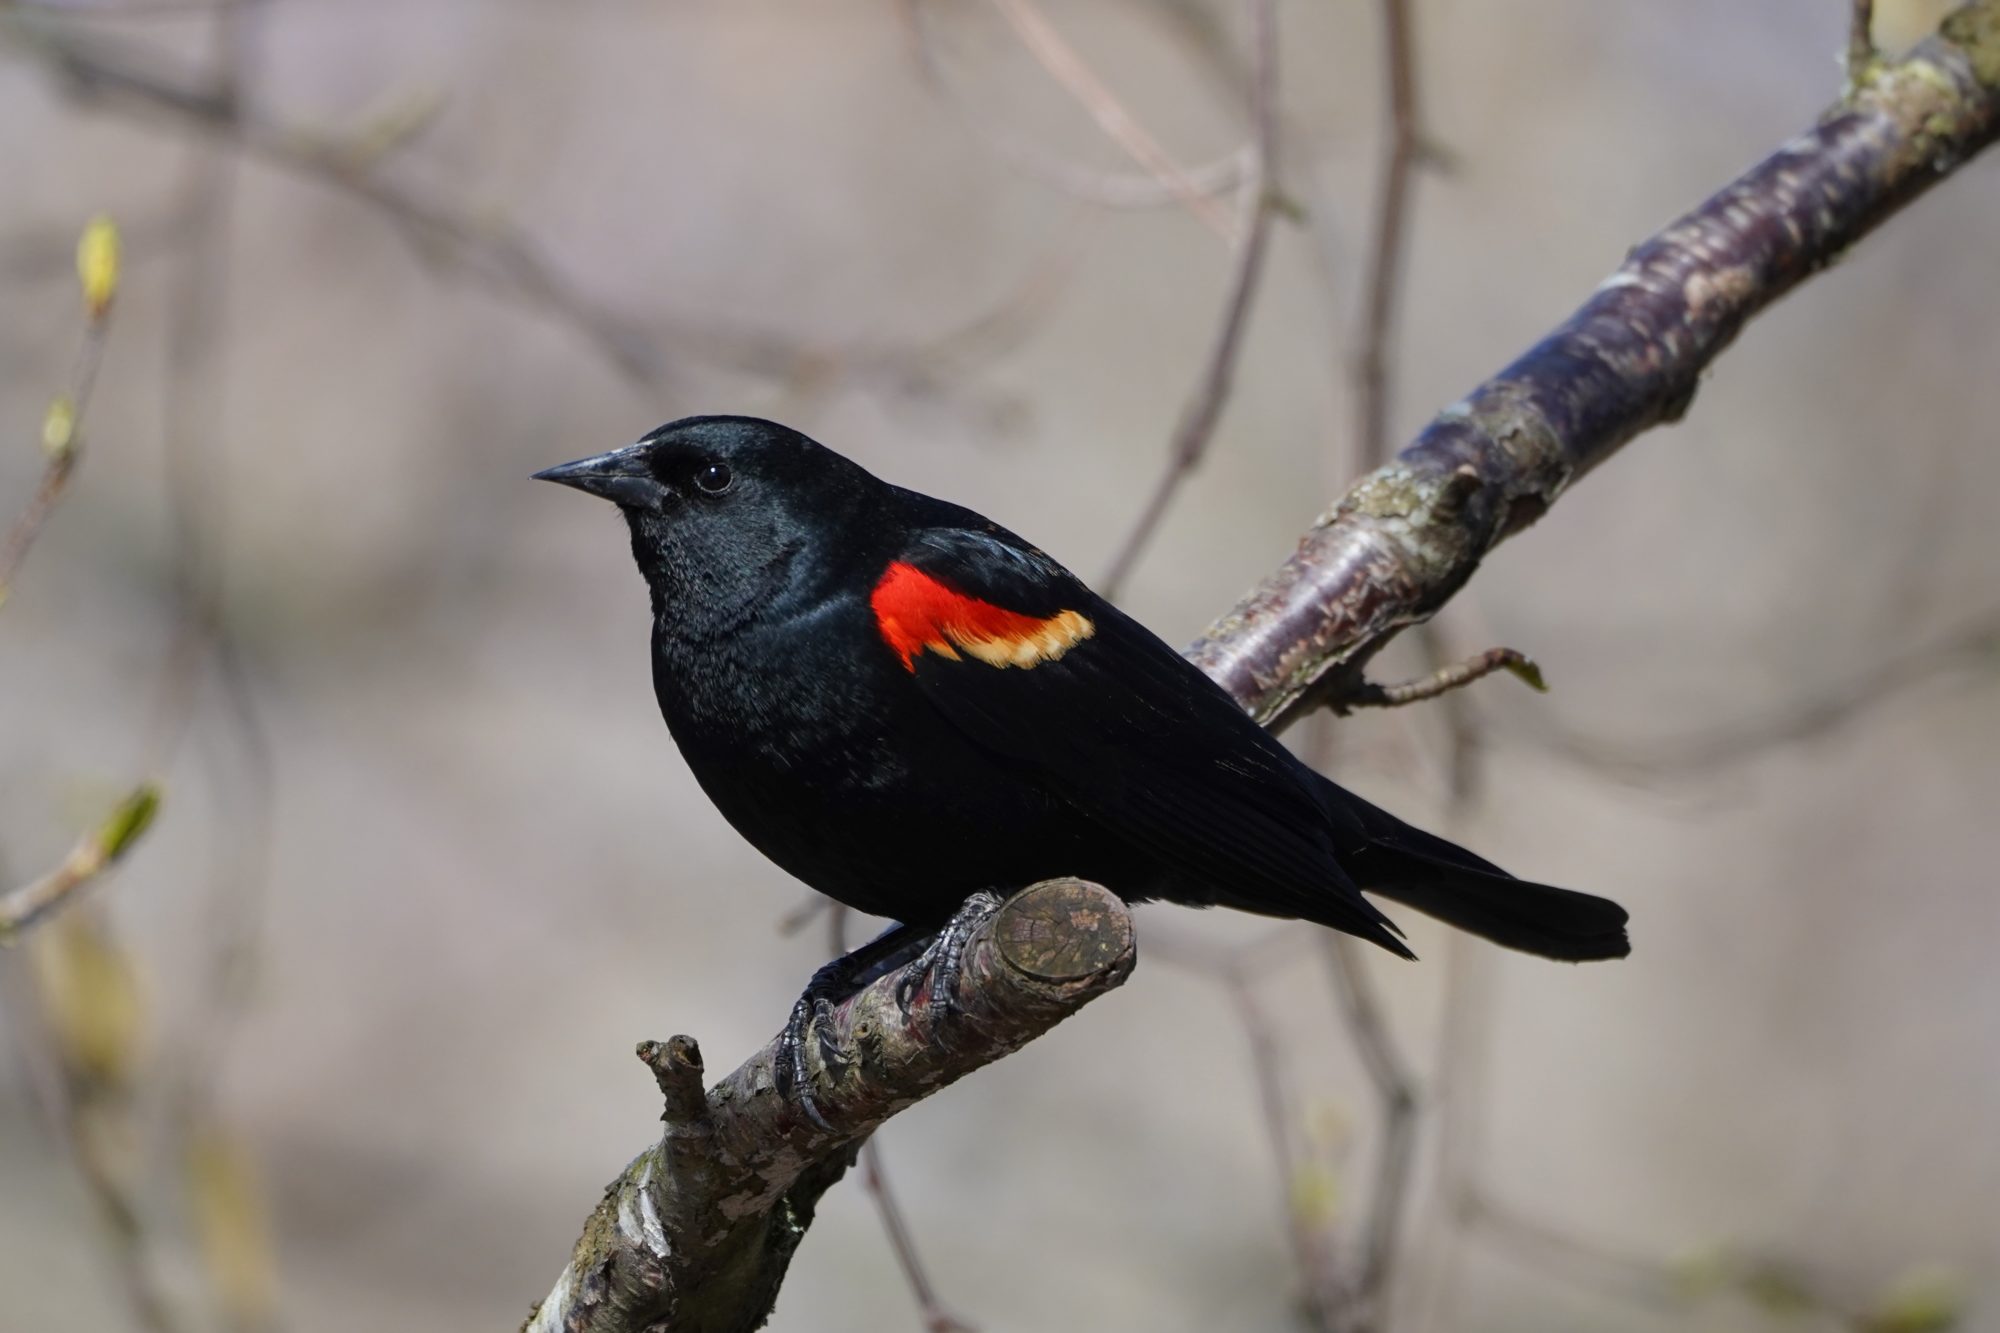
(697, 1232)
(1409, 534)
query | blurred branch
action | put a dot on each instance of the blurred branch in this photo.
(494, 255)
(1308, 1217)
(1204, 410)
(62, 425)
(97, 263)
(219, 1173)
(87, 1017)
(132, 9)
(1860, 41)
(1973, 646)
(1069, 69)
(699, 1230)
(1391, 235)
(875, 1179)
(1408, 535)
(1106, 189)
(96, 852)
(1923, 1300)
(1396, 1089)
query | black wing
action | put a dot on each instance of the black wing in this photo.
(1108, 716)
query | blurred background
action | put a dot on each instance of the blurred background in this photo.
(345, 1042)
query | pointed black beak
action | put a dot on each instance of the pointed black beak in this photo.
(619, 476)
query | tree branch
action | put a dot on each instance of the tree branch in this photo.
(1204, 410)
(1409, 534)
(698, 1231)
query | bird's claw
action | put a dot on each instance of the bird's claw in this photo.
(811, 1015)
(943, 960)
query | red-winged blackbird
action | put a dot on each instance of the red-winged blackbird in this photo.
(907, 707)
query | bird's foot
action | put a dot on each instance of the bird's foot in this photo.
(811, 1018)
(943, 959)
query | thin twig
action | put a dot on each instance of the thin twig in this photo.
(1309, 1249)
(1236, 970)
(493, 255)
(1972, 647)
(135, 9)
(1386, 246)
(1061, 60)
(240, 764)
(1106, 189)
(1443, 680)
(875, 1179)
(1641, 1281)
(1860, 41)
(63, 440)
(1396, 1089)
(96, 852)
(1204, 409)
(79, 992)
(1374, 368)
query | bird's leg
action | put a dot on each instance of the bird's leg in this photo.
(943, 958)
(832, 983)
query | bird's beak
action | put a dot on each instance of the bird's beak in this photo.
(619, 476)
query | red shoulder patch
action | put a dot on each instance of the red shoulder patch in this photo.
(916, 613)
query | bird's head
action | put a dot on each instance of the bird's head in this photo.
(727, 512)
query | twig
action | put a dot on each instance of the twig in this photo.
(1771, 1283)
(1459, 1096)
(1972, 646)
(241, 766)
(1452, 676)
(1860, 42)
(1408, 535)
(96, 852)
(1106, 189)
(1204, 409)
(1274, 1102)
(1396, 1090)
(1386, 245)
(80, 991)
(500, 258)
(1639, 1280)
(62, 428)
(936, 1318)
(135, 9)
(1069, 69)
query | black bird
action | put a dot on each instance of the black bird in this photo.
(912, 709)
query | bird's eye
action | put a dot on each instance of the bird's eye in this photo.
(713, 478)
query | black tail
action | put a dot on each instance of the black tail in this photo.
(1442, 879)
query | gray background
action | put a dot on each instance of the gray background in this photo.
(491, 874)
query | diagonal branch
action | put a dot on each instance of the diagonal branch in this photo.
(698, 1231)
(1409, 534)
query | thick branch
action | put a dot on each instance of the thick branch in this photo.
(1405, 538)
(697, 1233)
